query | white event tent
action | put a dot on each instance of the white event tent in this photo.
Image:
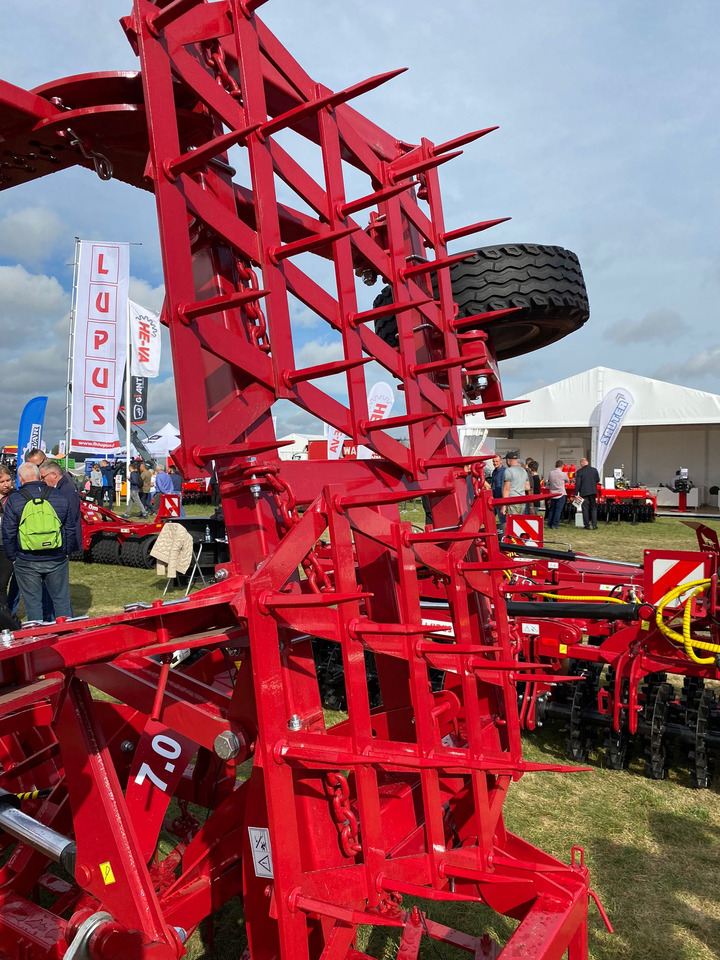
(162, 443)
(667, 428)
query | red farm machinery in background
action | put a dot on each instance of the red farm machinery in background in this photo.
(104, 746)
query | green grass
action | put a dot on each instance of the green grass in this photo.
(652, 847)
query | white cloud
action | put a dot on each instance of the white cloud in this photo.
(30, 234)
(146, 295)
(660, 325)
(29, 304)
(700, 370)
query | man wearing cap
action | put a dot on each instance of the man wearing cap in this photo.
(515, 482)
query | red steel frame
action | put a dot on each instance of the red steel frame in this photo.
(403, 799)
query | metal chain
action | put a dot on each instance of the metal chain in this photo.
(286, 503)
(258, 328)
(336, 787)
(103, 167)
(215, 59)
(477, 476)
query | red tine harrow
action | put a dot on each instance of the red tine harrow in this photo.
(337, 820)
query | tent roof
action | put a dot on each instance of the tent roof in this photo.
(167, 431)
(575, 402)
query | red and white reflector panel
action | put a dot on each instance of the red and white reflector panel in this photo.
(170, 506)
(667, 569)
(525, 527)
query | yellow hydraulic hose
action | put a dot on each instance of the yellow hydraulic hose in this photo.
(562, 596)
(694, 587)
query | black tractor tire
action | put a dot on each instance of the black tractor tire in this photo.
(545, 283)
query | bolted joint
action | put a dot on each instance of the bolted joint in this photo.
(226, 745)
(294, 723)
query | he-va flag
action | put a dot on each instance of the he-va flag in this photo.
(335, 439)
(380, 401)
(614, 410)
(99, 354)
(144, 340)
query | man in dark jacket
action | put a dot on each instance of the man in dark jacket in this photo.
(53, 475)
(497, 479)
(35, 568)
(586, 483)
(108, 488)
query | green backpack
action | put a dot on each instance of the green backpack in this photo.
(40, 527)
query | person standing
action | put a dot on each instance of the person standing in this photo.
(586, 486)
(6, 567)
(163, 484)
(54, 476)
(496, 486)
(36, 530)
(96, 483)
(108, 484)
(146, 480)
(516, 482)
(554, 506)
(532, 468)
(177, 483)
(135, 486)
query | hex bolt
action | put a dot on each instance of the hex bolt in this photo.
(294, 723)
(127, 746)
(227, 745)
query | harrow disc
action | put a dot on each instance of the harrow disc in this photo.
(698, 718)
(617, 742)
(657, 710)
(581, 737)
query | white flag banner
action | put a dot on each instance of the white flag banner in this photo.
(614, 409)
(99, 353)
(335, 440)
(380, 400)
(144, 341)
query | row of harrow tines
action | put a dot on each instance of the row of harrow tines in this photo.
(630, 653)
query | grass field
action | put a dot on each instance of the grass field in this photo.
(652, 847)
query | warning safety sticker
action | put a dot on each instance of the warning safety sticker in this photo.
(261, 853)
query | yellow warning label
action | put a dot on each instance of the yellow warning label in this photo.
(107, 874)
(563, 648)
(644, 624)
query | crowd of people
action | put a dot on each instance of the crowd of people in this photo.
(520, 478)
(40, 526)
(146, 486)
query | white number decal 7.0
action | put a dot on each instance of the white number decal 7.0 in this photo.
(147, 771)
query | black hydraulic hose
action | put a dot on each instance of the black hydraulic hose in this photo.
(537, 551)
(572, 611)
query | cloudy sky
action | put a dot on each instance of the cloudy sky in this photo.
(608, 145)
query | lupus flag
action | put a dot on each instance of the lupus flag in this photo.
(99, 355)
(614, 410)
(31, 426)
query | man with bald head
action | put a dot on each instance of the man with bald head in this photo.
(35, 568)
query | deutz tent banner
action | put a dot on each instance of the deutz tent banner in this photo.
(99, 351)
